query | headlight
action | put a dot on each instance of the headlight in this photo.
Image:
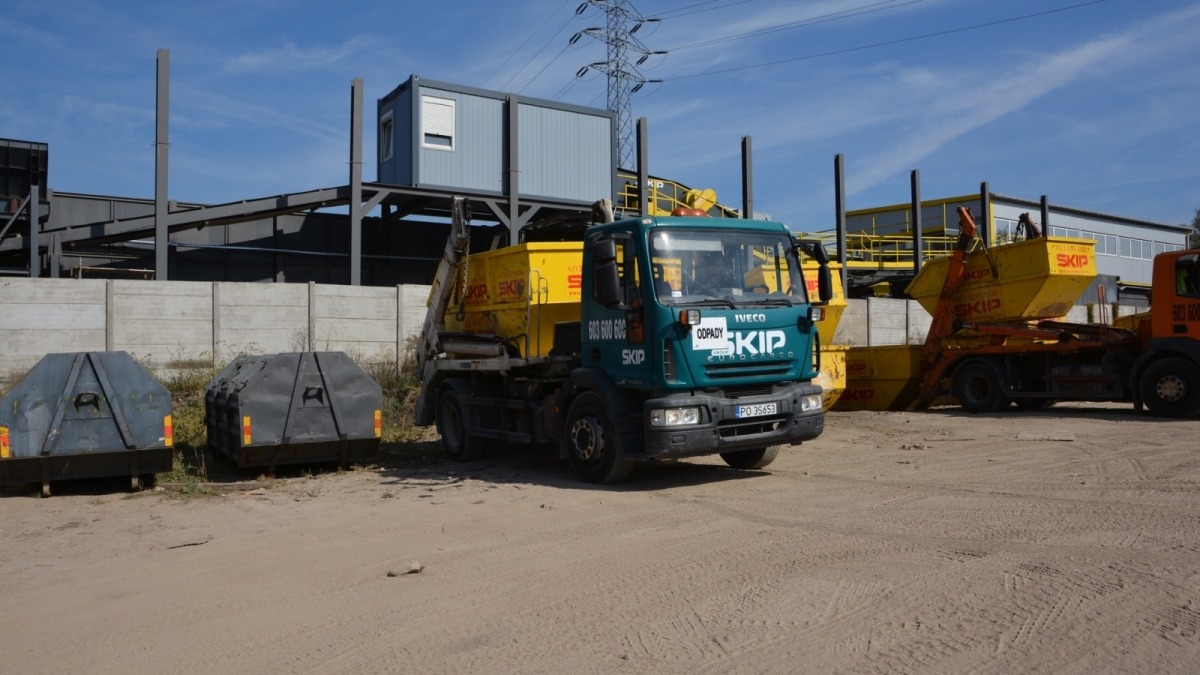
(810, 402)
(674, 417)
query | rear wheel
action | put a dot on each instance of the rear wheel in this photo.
(452, 425)
(592, 443)
(979, 387)
(751, 459)
(1171, 388)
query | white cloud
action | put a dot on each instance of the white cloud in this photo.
(290, 57)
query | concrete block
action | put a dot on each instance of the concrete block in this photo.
(162, 323)
(919, 322)
(887, 321)
(852, 328)
(46, 316)
(255, 318)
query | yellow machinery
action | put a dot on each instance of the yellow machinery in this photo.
(881, 378)
(667, 195)
(519, 291)
(832, 376)
(1034, 279)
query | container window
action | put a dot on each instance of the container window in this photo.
(386, 130)
(437, 122)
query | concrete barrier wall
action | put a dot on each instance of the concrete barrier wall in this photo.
(179, 324)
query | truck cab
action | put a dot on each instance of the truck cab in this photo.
(1167, 371)
(697, 336)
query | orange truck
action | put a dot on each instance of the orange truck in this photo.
(994, 339)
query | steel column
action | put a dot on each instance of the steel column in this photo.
(642, 170)
(161, 152)
(916, 216)
(747, 180)
(356, 115)
(839, 198)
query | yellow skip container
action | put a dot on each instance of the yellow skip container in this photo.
(1035, 279)
(518, 293)
(832, 376)
(881, 378)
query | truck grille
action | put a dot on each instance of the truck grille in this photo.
(738, 428)
(775, 370)
(747, 390)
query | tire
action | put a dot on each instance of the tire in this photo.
(1171, 388)
(592, 444)
(751, 459)
(979, 388)
(452, 425)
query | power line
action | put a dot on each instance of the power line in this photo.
(882, 44)
(518, 49)
(539, 73)
(680, 11)
(811, 21)
(539, 51)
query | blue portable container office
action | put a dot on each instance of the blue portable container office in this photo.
(440, 135)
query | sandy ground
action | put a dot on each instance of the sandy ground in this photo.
(1062, 541)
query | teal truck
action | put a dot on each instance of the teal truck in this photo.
(641, 340)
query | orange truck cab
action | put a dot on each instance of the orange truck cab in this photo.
(1167, 370)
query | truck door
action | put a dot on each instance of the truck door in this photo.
(615, 337)
(1184, 308)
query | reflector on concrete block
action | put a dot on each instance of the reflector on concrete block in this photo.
(295, 408)
(85, 415)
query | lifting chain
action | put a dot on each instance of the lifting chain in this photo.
(465, 256)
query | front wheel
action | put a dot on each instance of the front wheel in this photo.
(751, 459)
(1171, 388)
(592, 443)
(979, 388)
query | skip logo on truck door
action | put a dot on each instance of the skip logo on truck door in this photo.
(633, 357)
(713, 335)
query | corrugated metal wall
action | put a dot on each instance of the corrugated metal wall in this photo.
(397, 169)
(565, 154)
(477, 160)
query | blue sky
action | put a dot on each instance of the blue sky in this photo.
(1096, 106)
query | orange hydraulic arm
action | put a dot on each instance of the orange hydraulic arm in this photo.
(944, 321)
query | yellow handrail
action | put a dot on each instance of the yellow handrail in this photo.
(667, 195)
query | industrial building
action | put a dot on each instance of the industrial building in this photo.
(880, 241)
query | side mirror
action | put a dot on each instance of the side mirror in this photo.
(824, 282)
(606, 282)
(603, 250)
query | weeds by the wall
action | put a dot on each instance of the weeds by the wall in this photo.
(192, 456)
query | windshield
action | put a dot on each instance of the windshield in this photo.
(704, 266)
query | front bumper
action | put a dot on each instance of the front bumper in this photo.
(720, 431)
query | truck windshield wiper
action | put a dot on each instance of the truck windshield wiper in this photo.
(709, 302)
(778, 302)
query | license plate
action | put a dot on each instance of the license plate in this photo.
(755, 410)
